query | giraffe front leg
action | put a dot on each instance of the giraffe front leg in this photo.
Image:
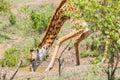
(82, 36)
(53, 58)
(60, 41)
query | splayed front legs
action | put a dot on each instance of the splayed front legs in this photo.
(83, 32)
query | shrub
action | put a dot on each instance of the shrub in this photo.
(95, 53)
(24, 8)
(85, 53)
(11, 57)
(13, 54)
(39, 20)
(12, 19)
(97, 60)
(88, 53)
(97, 44)
(5, 6)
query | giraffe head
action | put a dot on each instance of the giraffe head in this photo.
(37, 57)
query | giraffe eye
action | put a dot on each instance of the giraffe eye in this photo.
(37, 50)
(33, 59)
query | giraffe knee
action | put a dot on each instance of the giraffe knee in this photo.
(59, 42)
(76, 43)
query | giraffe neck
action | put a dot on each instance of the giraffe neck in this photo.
(54, 26)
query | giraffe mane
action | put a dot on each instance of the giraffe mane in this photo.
(49, 25)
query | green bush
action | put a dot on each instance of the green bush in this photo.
(24, 8)
(11, 57)
(13, 54)
(95, 53)
(85, 53)
(39, 20)
(12, 19)
(97, 59)
(5, 6)
(88, 53)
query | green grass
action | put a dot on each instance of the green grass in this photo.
(11, 57)
(20, 1)
(4, 37)
(17, 51)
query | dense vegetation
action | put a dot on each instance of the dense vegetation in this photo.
(103, 16)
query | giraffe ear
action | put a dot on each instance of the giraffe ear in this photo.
(31, 50)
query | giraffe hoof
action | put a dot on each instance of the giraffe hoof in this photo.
(77, 64)
(48, 69)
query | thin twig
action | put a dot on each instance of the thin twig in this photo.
(59, 59)
(16, 70)
(65, 49)
(115, 67)
(3, 74)
(60, 64)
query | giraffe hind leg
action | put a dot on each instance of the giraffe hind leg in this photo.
(82, 36)
(76, 44)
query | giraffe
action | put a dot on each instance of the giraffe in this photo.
(56, 22)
